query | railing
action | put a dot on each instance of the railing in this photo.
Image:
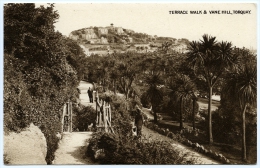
(103, 111)
(66, 121)
(103, 119)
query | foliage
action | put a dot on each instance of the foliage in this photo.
(182, 90)
(84, 117)
(218, 58)
(242, 87)
(154, 93)
(129, 150)
(210, 60)
(123, 148)
(40, 71)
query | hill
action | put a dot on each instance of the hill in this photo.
(102, 40)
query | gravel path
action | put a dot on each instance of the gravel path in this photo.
(73, 145)
(200, 159)
(84, 99)
(71, 149)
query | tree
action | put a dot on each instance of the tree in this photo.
(194, 105)
(209, 60)
(36, 61)
(242, 86)
(154, 94)
(181, 90)
(114, 76)
(126, 77)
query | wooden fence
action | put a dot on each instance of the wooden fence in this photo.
(103, 119)
(66, 120)
(103, 111)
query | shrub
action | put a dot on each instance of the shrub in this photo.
(42, 71)
(93, 144)
(124, 148)
(84, 117)
(133, 151)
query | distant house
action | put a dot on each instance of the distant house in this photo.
(102, 30)
(103, 40)
(89, 34)
(89, 31)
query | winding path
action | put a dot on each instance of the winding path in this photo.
(84, 99)
(187, 151)
(72, 147)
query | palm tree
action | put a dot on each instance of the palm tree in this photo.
(154, 94)
(243, 87)
(181, 89)
(210, 60)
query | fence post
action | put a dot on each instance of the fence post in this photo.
(109, 113)
(70, 104)
(62, 117)
(100, 115)
(105, 115)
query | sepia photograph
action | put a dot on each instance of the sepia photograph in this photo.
(129, 83)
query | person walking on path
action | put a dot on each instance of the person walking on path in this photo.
(90, 95)
(139, 120)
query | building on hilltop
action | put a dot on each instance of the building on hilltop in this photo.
(89, 30)
(102, 30)
(103, 40)
(89, 34)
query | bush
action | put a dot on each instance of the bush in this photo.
(145, 102)
(42, 71)
(130, 150)
(124, 148)
(84, 117)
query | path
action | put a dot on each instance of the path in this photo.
(191, 154)
(200, 158)
(72, 147)
(84, 99)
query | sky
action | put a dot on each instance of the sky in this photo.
(155, 19)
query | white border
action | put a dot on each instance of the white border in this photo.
(2, 2)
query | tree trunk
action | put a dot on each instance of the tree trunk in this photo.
(181, 122)
(127, 94)
(155, 116)
(154, 113)
(209, 116)
(244, 133)
(193, 113)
